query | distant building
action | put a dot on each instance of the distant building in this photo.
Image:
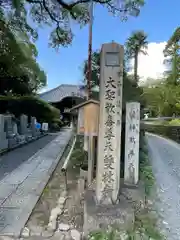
(64, 97)
(65, 90)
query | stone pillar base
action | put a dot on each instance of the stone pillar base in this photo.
(101, 216)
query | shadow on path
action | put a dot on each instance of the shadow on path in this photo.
(11, 160)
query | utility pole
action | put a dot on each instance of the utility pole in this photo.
(89, 72)
(90, 50)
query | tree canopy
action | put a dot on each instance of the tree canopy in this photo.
(163, 95)
(19, 71)
(172, 55)
(137, 43)
(60, 14)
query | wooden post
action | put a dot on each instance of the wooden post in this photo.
(91, 149)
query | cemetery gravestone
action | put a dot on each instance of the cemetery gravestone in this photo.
(8, 127)
(131, 174)
(23, 124)
(3, 140)
(109, 139)
(33, 126)
(45, 127)
(1, 123)
(15, 129)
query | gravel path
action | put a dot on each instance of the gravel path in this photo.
(13, 159)
(165, 157)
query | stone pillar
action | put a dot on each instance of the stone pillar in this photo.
(1, 123)
(109, 138)
(131, 173)
(8, 125)
(23, 124)
(3, 140)
(33, 126)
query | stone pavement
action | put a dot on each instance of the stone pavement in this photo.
(13, 159)
(21, 189)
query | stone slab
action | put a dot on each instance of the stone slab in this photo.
(8, 216)
(100, 216)
(12, 220)
(17, 201)
(6, 191)
(2, 135)
(3, 144)
(12, 142)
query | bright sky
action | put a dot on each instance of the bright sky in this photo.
(158, 19)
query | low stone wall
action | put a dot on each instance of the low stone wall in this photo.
(172, 132)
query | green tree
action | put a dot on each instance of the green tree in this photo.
(162, 99)
(172, 55)
(59, 14)
(137, 43)
(154, 97)
(19, 71)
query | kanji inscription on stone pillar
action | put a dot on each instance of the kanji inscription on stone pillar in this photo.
(109, 139)
(131, 173)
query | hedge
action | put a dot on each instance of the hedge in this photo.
(30, 106)
(172, 132)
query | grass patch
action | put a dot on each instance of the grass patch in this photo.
(78, 154)
(145, 224)
(146, 173)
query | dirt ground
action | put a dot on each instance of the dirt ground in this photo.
(73, 213)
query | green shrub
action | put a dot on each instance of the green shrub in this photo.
(174, 122)
(30, 106)
(56, 125)
(169, 131)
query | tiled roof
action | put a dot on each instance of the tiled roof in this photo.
(62, 91)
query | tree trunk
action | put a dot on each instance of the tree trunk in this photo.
(136, 68)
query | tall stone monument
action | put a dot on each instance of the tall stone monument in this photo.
(131, 173)
(8, 126)
(33, 126)
(23, 124)
(3, 140)
(109, 139)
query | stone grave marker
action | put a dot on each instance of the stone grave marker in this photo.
(1, 123)
(109, 139)
(23, 124)
(33, 126)
(45, 127)
(15, 128)
(131, 173)
(8, 126)
(3, 140)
